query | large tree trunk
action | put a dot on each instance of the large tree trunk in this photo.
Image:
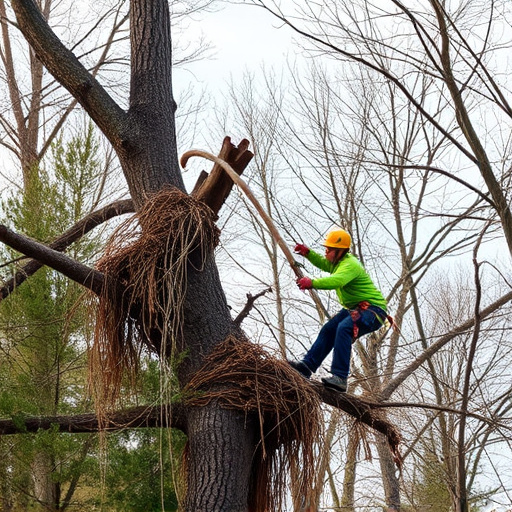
(148, 151)
(221, 442)
(221, 447)
(44, 489)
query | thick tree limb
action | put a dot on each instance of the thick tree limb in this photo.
(362, 411)
(174, 416)
(76, 271)
(73, 234)
(137, 417)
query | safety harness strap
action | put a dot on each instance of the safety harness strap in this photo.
(363, 306)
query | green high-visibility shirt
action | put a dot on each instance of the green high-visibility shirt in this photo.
(350, 280)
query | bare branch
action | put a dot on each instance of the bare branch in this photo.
(137, 417)
(76, 271)
(452, 176)
(441, 342)
(263, 214)
(467, 128)
(382, 71)
(439, 408)
(68, 70)
(73, 234)
(251, 299)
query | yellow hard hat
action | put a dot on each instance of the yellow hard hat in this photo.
(338, 238)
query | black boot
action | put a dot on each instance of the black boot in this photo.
(301, 367)
(336, 382)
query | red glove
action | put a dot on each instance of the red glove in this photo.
(304, 283)
(301, 249)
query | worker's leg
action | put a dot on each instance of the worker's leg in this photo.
(367, 322)
(343, 347)
(325, 341)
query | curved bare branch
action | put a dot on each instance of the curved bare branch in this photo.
(89, 222)
(263, 214)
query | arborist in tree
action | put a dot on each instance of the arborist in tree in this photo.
(364, 307)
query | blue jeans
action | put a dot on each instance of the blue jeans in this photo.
(338, 334)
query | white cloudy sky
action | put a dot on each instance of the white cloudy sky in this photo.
(242, 37)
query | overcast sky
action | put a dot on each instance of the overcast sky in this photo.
(242, 37)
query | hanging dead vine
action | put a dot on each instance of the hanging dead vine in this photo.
(243, 376)
(146, 263)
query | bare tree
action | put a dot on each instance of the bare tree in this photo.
(191, 320)
(365, 159)
(436, 42)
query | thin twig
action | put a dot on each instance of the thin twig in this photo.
(251, 299)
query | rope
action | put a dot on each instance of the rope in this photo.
(242, 185)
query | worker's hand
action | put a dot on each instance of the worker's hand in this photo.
(305, 283)
(301, 249)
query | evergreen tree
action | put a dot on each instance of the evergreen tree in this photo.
(44, 330)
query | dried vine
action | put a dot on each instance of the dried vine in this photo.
(149, 255)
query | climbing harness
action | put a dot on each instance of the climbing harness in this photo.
(363, 306)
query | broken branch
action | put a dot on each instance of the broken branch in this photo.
(251, 299)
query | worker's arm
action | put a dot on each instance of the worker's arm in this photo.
(320, 261)
(342, 273)
(329, 283)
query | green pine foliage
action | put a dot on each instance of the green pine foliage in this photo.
(45, 326)
(141, 474)
(432, 493)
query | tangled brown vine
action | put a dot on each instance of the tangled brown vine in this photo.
(243, 376)
(145, 264)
